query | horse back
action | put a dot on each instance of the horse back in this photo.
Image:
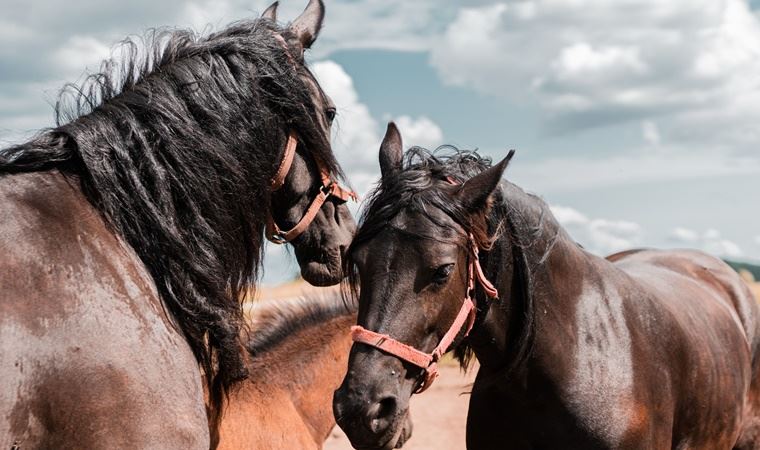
(693, 267)
(90, 359)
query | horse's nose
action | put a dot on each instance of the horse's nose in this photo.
(364, 416)
(381, 415)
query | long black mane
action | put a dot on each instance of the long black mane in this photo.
(505, 232)
(175, 147)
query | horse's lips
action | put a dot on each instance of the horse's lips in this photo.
(323, 270)
(397, 440)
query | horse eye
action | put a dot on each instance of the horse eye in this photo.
(330, 113)
(442, 273)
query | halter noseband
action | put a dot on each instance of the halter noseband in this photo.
(428, 362)
(329, 188)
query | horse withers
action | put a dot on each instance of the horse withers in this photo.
(132, 230)
(646, 349)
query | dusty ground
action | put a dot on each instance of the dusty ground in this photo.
(438, 414)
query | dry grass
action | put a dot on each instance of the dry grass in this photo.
(291, 290)
(755, 289)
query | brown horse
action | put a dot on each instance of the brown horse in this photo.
(646, 349)
(131, 230)
(298, 357)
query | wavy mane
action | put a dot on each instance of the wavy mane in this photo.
(174, 142)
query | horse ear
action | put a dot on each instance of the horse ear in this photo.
(475, 193)
(306, 27)
(271, 12)
(391, 151)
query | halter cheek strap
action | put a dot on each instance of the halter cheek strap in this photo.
(329, 188)
(466, 317)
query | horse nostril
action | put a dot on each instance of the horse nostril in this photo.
(382, 413)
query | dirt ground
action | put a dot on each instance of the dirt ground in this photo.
(438, 414)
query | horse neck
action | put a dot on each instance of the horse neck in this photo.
(308, 366)
(538, 270)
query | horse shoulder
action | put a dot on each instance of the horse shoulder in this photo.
(93, 358)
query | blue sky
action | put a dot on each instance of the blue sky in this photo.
(638, 120)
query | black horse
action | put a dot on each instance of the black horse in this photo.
(645, 349)
(132, 230)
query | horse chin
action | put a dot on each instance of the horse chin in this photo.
(406, 432)
(400, 436)
(322, 269)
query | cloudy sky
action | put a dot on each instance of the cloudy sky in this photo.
(638, 120)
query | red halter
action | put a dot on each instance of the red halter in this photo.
(429, 361)
(329, 188)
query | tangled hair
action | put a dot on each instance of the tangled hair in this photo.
(176, 148)
(423, 183)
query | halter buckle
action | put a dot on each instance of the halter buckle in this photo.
(327, 189)
(278, 238)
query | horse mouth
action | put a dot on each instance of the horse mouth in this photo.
(406, 433)
(321, 269)
(398, 437)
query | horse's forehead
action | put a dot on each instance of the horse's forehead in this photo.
(427, 223)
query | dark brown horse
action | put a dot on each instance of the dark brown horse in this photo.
(298, 357)
(646, 349)
(131, 230)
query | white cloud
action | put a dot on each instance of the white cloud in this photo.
(419, 131)
(380, 24)
(377, 24)
(569, 216)
(592, 62)
(13, 32)
(600, 236)
(210, 14)
(580, 60)
(757, 240)
(568, 172)
(651, 133)
(710, 241)
(81, 54)
(603, 236)
(723, 247)
(685, 235)
(357, 133)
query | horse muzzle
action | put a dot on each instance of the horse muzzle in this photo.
(376, 419)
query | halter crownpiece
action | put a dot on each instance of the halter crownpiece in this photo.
(329, 188)
(428, 362)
